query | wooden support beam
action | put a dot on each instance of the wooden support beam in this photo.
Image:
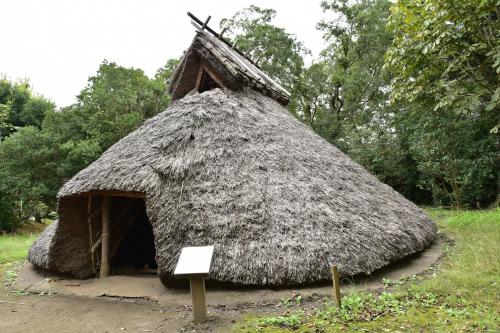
(128, 194)
(91, 241)
(336, 285)
(222, 32)
(199, 76)
(96, 245)
(198, 24)
(214, 76)
(198, 297)
(105, 266)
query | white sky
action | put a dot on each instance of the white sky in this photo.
(58, 44)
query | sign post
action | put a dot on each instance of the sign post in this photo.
(194, 263)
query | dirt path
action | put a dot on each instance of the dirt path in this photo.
(92, 313)
(33, 313)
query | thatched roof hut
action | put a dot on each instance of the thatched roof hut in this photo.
(231, 167)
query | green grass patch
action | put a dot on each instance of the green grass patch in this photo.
(462, 295)
(15, 247)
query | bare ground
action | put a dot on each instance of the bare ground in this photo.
(45, 312)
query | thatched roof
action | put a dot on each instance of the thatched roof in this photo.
(238, 171)
(226, 65)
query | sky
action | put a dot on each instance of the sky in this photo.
(58, 44)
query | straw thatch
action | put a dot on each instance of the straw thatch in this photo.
(236, 170)
(232, 69)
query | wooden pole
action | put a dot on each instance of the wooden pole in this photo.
(200, 24)
(206, 22)
(105, 268)
(91, 241)
(198, 298)
(336, 285)
(197, 86)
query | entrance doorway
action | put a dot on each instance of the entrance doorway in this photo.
(136, 252)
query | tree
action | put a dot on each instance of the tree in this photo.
(445, 62)
(29, 172)
(50, 146)
(164, 74)
(34, 110)
(356, 89)
(344, 96)
(117, 100)
(276, 52)
(19, 107)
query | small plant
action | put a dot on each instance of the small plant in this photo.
(292, 321)
(391, 283)
(10, 276)
(297, 300)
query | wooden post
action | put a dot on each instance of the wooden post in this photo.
(336, 285)
(105, 268)
(91, 241)
(199, 77)
(206, 22)
(198, 298)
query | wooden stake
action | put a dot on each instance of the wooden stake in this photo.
(336, 285)
(105, 268)
(198, 298)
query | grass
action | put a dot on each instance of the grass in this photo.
(14, 249)
(461, 295)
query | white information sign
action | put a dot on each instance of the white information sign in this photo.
(194, 262)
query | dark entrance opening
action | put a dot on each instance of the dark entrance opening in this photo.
(207, 83)
(136, 253)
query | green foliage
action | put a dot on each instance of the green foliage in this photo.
(445, 62)
(52, 146)
(448, 53)
(457, 157)
(355, 93)
(117, 100)
(34, 111)
(416, 104)
(18, 107)
(291, 321)
(295, 300)
(463, 295)
(29, 172)
(275, 51)
(8, 221)
(345, 96)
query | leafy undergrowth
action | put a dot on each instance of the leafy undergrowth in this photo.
(463, 295)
